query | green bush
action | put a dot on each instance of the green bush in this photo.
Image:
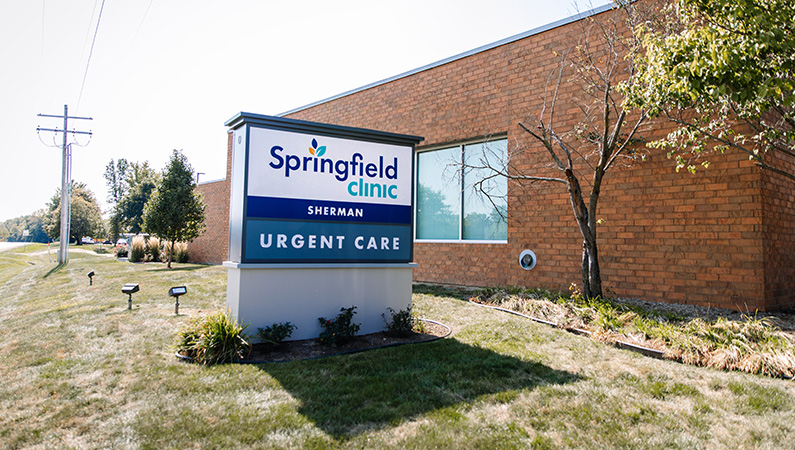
(214, 339)
(137, 249)
(402, 322)
(339, 330)
(153, 248)
(276, 333)
(121, 251)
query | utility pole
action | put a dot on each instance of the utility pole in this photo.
(66, 179)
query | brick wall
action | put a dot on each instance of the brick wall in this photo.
(213, 246)
(720, 237)
(696, 239)
(778, 230)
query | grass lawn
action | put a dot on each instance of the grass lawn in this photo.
(79, 370)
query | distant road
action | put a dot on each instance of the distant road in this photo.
(10, 245)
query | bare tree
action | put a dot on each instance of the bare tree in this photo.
(601, 64)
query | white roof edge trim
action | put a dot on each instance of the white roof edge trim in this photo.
(508, 40)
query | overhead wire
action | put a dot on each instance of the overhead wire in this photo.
(88, 29)
(142, 20)
(90, 53)
(43, 8)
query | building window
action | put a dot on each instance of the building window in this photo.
(458, 197)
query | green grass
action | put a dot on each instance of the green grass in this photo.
(80, 371)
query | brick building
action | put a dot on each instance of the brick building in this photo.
(722, 237)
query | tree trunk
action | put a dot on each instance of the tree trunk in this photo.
(594, 274)
(171, 254)
(591, 276)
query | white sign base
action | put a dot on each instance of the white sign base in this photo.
(263, 294)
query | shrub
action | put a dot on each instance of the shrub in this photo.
(276, 333)
(121, 251)
(339, 330)
(153, 248)
(137, 249)
(214, 339)
(402, 322)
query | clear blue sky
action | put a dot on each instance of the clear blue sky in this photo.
(167, 74)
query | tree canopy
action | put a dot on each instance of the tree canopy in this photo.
(724, 72)
(141, 183)
(85, 218)
(175, 212)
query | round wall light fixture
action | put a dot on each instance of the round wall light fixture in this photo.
(527, 259)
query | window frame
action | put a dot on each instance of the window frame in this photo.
(460, 145)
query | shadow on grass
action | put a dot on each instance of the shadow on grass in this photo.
(177, 269)
(382, 387)
(447, 291)
(55, 269)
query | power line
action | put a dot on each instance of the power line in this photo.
(43, 5)
(91, 52)
(88, 30)
(142, 20)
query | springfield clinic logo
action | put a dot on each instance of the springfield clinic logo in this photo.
(362, 178)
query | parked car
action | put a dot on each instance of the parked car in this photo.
(87, 240)
(122, 242)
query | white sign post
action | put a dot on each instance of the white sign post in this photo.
(320, 219)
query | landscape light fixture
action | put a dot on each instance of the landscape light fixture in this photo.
(129, 289)
(175, 292)
(91, 278)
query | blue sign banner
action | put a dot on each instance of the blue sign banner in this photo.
(320, 242)
(321, 210)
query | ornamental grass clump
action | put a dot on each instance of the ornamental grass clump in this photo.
(180, 252)
(154, 248)
(214, 339)
(339, 330)
(137, 249)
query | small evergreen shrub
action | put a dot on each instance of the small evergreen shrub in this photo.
(214, 339)
(276, 333)
(137, 249)
(401, 323)
(153, 248)
(339, 330)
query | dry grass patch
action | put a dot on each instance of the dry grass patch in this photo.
(749, 343)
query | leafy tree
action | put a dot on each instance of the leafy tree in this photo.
(85, 217)
(724, 72)
(175, 212)
(116, 180)
(598, 67)
(142, 181)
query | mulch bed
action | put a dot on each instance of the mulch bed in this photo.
(313, 349)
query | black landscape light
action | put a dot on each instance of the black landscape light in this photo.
(91, 278)
(129, 289)
(175, 292)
